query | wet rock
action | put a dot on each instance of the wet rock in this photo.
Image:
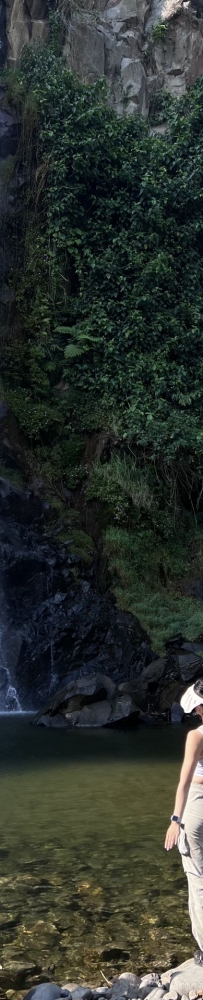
(193, 647)
(88, 701)
(97, 714)
(122, 708)
(138, 689)
(190, 665)
(155, 670)
(17, 973)
(61, 628)
(82, 993)
(102, 991)
(70, 986)
(47, 991)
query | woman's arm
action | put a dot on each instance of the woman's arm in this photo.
(193, 749)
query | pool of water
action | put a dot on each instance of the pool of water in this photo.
(85, 884)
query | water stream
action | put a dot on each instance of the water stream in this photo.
(85, 883)
(9, 701)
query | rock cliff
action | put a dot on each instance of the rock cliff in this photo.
(138, 46)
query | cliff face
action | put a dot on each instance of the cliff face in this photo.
(119, 41)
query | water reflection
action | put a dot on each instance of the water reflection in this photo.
(85, 882)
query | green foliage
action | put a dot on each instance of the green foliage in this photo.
(111, 289)
(109, 306)
(161, 105)
(159, 31)
(82, 545)
(145, 574)
(121, 486)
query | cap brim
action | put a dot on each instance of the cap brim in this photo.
(190, 700)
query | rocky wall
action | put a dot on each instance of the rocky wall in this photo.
(117, 41)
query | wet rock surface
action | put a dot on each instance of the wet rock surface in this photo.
(116, 40)
(92, 701)
(55, 623)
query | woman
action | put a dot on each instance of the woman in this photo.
(186, 828)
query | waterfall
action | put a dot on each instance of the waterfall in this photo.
(9, 701)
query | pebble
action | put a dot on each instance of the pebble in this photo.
(151, 979)
(192, 994)
(148, 984)
(130, 978)
(82, 993)
(102, 991)
(172, 995)
(156, 994)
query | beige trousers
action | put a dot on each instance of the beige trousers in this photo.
(190, 845)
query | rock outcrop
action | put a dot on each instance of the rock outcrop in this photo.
(117, 40)
(54, 620)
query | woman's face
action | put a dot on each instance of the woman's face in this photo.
(199, 711)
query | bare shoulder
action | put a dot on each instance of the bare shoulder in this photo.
(194, 739)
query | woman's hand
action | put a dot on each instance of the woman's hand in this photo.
(172, 835)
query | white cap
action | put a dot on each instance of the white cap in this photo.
(190, 700)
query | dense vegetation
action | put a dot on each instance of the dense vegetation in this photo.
(109, 330)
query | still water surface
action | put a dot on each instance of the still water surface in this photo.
(85, 884)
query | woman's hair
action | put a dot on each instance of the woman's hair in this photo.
(198, 687)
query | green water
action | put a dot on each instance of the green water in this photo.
(86, 885)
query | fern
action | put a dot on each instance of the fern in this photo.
(72, 351)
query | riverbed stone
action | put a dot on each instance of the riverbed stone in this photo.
(157, 994)
(172, 995)
(102, 991)
(17, 973)
(149, 984)
(187, 976)
(131, 980)
(82, 993)
(126, 986)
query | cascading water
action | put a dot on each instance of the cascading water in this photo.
(9, 701)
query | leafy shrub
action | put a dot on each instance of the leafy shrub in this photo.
(120, 484)
(145, 580)
(159, 31)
